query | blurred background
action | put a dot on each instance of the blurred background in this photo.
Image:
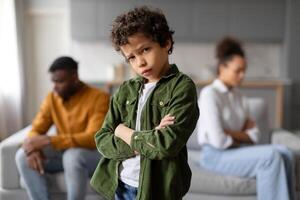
(35, 32)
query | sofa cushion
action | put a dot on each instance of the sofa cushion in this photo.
(207, 182)
(193, 141)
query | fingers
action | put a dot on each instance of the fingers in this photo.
(35, 161)
(40, 167)
(32, 162)
(27, 146)
(166, 121)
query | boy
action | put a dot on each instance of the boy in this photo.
(143, 139)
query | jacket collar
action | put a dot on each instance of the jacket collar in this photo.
(171, 72)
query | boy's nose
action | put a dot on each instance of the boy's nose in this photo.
(141, 62)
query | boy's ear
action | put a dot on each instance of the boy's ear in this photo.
(168, 45)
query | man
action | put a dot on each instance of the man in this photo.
(77, 111)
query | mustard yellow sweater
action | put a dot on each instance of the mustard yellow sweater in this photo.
(76, 120)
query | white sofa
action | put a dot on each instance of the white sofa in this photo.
(205, 185)
(12, 186)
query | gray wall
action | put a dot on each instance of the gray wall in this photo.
(49, 28)
(193, 20)
(292, 63)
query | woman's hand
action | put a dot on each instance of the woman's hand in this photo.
(166, 121)
(248, 124)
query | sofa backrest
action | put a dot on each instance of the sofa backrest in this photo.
(257, 111)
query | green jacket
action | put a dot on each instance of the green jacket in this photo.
(164, 170)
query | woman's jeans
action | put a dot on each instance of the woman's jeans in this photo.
(271, 165)
(78, 165)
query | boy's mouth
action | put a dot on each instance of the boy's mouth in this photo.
(146, 72)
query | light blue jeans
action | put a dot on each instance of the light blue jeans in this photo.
(125, 192)
(271, 165)
(78, 165)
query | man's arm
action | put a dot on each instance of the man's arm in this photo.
(37, 139)
(85, 139)
(35, 143)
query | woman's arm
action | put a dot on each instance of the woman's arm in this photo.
(242, 136)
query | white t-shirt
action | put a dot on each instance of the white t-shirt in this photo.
(221, 109)
(130, 169)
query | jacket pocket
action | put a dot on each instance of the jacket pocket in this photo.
(127, 107)
(160, 107)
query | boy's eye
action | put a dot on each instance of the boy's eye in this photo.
(130, 59)
(145, 50)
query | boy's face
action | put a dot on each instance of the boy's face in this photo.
(146, 57)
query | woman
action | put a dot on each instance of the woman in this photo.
(227, 133)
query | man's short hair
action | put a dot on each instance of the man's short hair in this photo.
(150, 22)
(65, 63)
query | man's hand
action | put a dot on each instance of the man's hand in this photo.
(35, 161)
(35, 143)
(166, 121)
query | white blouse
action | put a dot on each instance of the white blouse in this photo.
(222, 109)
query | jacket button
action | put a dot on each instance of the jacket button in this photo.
(127, 102)
(161, 103)
(136, 137)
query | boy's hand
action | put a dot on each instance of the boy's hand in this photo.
(166, 121)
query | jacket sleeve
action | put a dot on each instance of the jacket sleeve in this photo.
(85, 139)
(168, 142)
(107, 143)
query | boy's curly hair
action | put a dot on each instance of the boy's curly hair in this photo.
(152, 23)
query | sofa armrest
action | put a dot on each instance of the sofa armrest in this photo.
(9, 176)
(292, 141)
(287, 138)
